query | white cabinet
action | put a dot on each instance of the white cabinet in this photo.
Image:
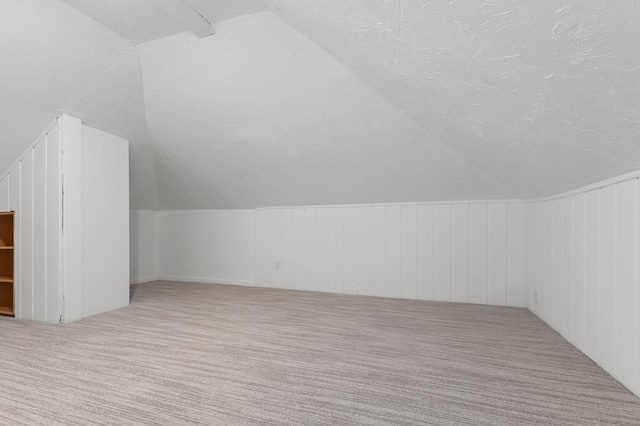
(70, 195)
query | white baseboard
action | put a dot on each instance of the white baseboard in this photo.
(143, 280)
(206, 280)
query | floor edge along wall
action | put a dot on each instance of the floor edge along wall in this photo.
(577, 252)
(467, 252)
(582, 256)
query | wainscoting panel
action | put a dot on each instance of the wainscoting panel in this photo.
(32, 189)
(459, 252)
(582, 267)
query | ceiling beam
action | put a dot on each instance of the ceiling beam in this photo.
(188, 16)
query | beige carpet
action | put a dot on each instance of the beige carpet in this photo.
(185, 354)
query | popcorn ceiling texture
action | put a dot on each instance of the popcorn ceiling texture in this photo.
(338, 101)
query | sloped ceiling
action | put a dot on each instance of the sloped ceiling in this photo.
(137, 21)
(337, 101)
(56, 60)
(259, 115)
(544, 95)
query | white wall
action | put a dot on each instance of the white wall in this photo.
(32, 188)
(459, 252)
(72, 266)
(105, 222)
(143, 225)
(207, 245)
(582, 272)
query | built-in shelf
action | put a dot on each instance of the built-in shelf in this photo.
(6, 263)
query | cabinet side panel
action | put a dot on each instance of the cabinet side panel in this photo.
(105, 222)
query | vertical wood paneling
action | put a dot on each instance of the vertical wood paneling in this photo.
(626, 282)
(425, 256)
(540, 243)
(364, 250)
(54, 226)
(276, 229)
(263, 247)
(73, 223)
(287, 256)
(4, 194)
(579, 253)
(532, 260)
(297, 258)
(442, 242)
(567, 267)
(409, 252)
(636, 389)
(337, 256)
(529, 247)
(32, 189)
(557, 264)
(324, 249)
(592, 282)
(40, 231)
(311, 249)
(26, 249)
(497, 256)
(590, 254)
(542, 253)
(394, 251)
(516, 295)
(378, 251)
(607, 277)
(548, 263)
(15, 191)
(429, 251)
(460, 253)
(350, 249)
(478, 261)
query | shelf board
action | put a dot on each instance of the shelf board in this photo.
(6, 310)
(6, 213)
(6, 247)
(6, 280)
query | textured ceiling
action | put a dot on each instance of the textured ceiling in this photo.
(334, 101)
(56, 60)
(137, 21)
(544, 95)
(259, 115)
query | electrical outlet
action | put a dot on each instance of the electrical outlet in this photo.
(535, 296)
(278, 265)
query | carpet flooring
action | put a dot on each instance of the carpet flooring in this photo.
(199, 354)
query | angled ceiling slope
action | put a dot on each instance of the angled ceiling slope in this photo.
(544, 95)
(139, 21)
(365, 101)
(259, 115)
(58, 60)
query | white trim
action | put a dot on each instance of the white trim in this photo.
(143, 280)
(207, 280)
(30, 147)
(409, 203)
(588, 188)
